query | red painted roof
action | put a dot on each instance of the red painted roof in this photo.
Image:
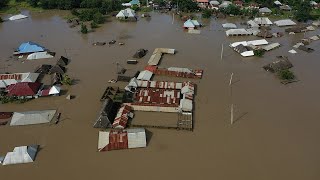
(122, 116)
(117, 140)
(23, 89)
(151, 68)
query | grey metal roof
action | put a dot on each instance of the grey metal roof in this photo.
(32, 117)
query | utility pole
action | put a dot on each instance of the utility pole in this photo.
(221, 51)
(231, 111)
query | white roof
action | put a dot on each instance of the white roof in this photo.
(292, 51)
(263, 21)
(186, 105)
(229, 26)
(271, 46)
(17, 17)
(237, 32)
(225, 4)
(8, 79)
(214, 2)
(39, 55)
(54, 90)
(126, 4)
(126, 13)
(178, 69)
(265, 10)
(22, 154)
(252, 23)
(32, 117)
(277, 3)
(247, 53)
(285, 22)
(247, 43)
(145, 75)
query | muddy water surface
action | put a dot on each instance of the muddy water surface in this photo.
(275, 135)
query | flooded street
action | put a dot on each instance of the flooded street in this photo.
(276, 130)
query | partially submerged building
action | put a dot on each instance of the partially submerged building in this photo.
(176, 72)
(277, 66)
(5, 117)
(122, 139)
(17, 17)
(285, 22)
(191, 24)
(9, 79)
(29, 47)
(32, 117)
(122, 117)
(237, 32)
(157, 54)
(24, 89)
(63, 61)
(127, 14)
(229, 26)
(20, 155)
(246, 48)
(40, 55)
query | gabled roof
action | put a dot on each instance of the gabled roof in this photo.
(122, 117)
(39, 55)
(23, 89)
(32, 117)
(8, 79)
(30, 47)
(17, 17)
(22, 154)
(231, 32)
(54, 90)
(285, 22)
(122, 139)
(126, 13)
(57, 69)
(63, 61)
(265, 10)
(145, 75)
(229, 26)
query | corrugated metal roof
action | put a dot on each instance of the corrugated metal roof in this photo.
(32, 117)
(145, 75)
(157, 54)
(122, 117)
(23, 89)
(22, 154)
(229, 26)
(285, 22)
(122, 139)
(8, 79)
(235, 32)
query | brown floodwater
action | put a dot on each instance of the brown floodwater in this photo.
(276, 129)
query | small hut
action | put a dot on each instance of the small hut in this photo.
(277, 66)
(63, 61)
(57, 69)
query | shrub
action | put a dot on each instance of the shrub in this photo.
(286, 75)
(207, 13)
(94, 25)
(66, 80)
(259, 52)
(84, 29)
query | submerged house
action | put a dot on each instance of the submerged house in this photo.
(191, 24)
(32, 117)
(285, 22)
(122, 139)
(17, 17)
(265, 10)
(122, 117)
(57, 69)
(263, 21)
(127, 14)
(19, 155)
(40, 55)
(229, 26)
(5, 117)
(237, 32)
(9, 79)
(63, 61)
(107, 114)
(24, 89)
(29, 47)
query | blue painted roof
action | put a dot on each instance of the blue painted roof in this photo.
(134, 2)
(30, 47)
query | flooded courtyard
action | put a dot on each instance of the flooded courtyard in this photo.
(276, 128)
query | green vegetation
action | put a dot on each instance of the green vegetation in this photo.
(1, 20)
(94, 25)
(259, 52)
(15, 6)
(303, 10)
(186, 5)
(66, 80)
(207, 13)
(286, 75)
(146, 9)
(11, 99)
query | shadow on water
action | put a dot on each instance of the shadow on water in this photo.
(149, 135)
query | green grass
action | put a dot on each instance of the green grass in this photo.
(16, 7)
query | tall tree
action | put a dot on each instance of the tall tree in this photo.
(302, 10)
